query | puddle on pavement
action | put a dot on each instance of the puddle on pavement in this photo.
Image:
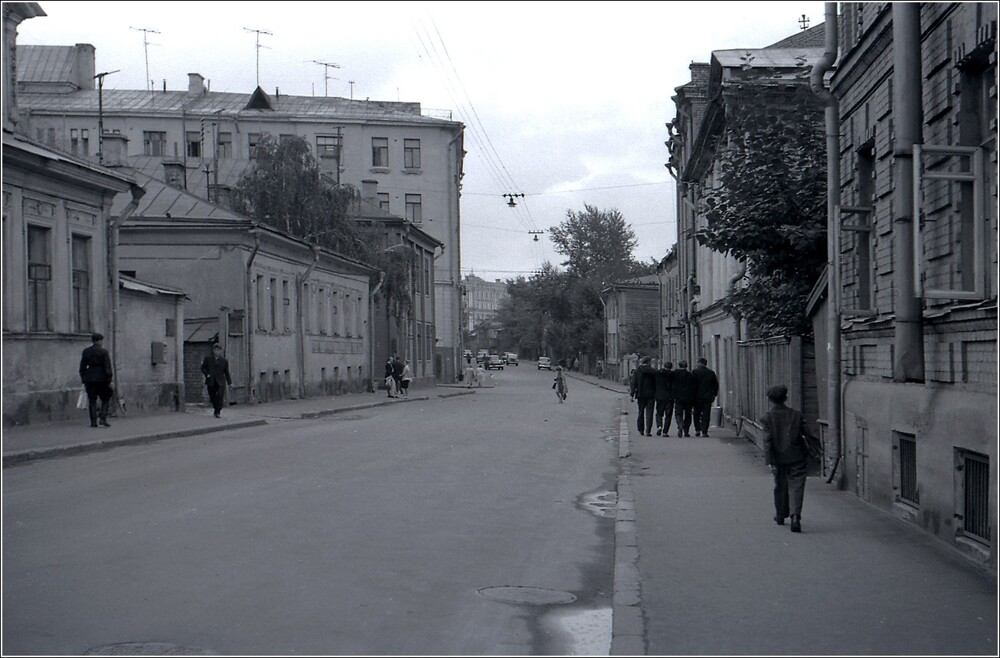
(599, 503)
(587, 632)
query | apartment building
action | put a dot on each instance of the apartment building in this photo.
(203, 140)
(916, 90)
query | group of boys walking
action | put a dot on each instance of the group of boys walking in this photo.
(662, 393)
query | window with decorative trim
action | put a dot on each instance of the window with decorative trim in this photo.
(81, 283)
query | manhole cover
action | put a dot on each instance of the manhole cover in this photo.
(147, 649)
(527, 595)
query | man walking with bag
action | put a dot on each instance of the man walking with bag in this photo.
(96, 374)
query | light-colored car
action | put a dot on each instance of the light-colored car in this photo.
(511, 359)
(544, 362)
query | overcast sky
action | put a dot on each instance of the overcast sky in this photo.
(563, 102)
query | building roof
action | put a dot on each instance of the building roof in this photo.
(813, 37)
(111, 178)
(778, 58)
(163, 201)
(152, 289)
(46, 64)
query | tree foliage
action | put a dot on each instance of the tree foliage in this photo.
(768, 205)
(285, 188)
(559, 313)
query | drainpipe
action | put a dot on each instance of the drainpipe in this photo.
(113, 226)
(908, 361)
(301, 333)
(371, 332)
(833, 392)
(249, 313)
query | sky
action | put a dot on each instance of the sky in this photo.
(563, 103)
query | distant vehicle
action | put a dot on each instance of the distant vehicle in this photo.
(511, 358)
(544, 362)
(493, 362)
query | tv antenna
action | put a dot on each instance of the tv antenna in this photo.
(145, 48)
(326, 74)
(259, 32)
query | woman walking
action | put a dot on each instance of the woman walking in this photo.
(560, 385)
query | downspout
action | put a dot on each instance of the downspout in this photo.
(249, 314)
(301, 333)
(908, 360)
(456, 179)
(113, 226)
(832, 122)
(371, 332)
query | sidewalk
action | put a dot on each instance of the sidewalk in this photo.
(702, 569)
(31, 442)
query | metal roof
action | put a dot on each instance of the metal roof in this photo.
(777, 58)
(46, 64)
(162, 200)
(139, 102)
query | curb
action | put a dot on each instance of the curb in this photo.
(32, 455)
(628, 627)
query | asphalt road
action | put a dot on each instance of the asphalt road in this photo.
(378, 532)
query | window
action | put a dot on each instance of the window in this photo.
(358, 318)
(338, 315)
(273, 297)
(861, 227)
(81, 284)
(321, 312)
(261, 301)
(39, 278)
(383, 200)
(973, 499)
(905, 470)
(411, 153)
(380, 151)
(286, 307)
(285, 138)
(413, 211)
(225, 145)
(193, 139)
(328, 146)
(154, 143)
(252, 140)
(79, 141)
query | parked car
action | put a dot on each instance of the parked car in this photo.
(493, 362)
(544, 362)
(511, 359)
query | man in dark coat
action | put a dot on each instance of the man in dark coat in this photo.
(785, 452)
(664, 398)
(397, 373)
(685, 388)
(642, 388)
(707, 387)
(215, 367)
(96, 374)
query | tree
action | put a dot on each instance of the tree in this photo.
(598, 246)
(285, 189)
(768, 206)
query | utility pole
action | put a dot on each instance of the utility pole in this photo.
(100, 113)
(326, 74)
(259, 32)
(145, 47)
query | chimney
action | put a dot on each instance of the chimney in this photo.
(86, 67)
(173, 173)
(114, 149)
(369, 191)
(196, 84)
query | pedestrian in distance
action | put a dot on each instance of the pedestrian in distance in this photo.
(706, 389)
(97, 374)
(390, 381)
(664, 398)
(560, 385)
(786, 452)
(397, 374)
(684, 394)
(404, 380)
(215, 367)
(642, 388)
